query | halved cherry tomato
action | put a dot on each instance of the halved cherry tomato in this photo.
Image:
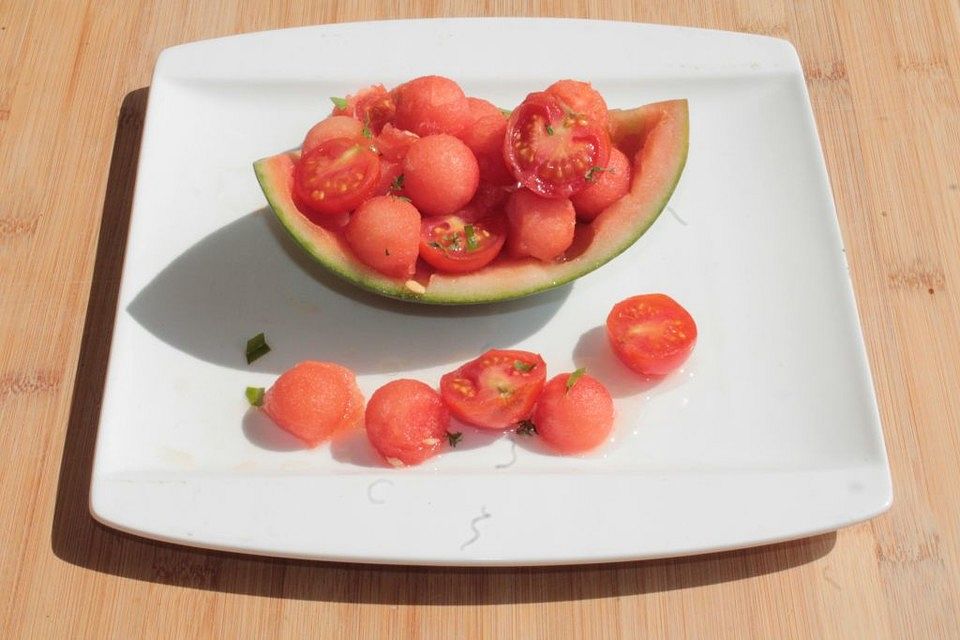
(336, 176)
(496, 390)
(373, 107)
(652, 334)
(551, 150)
(457, 245)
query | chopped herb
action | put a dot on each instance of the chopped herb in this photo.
(255, 396)
(257, 347)
(523, 367)
(471, 237)
(526, 428)
(592, 173)
(454, 438)
(453, 241)
(366, 132)
(576, 375)
(339, 103)
(506, 112)
(397, 183)
(436, 245)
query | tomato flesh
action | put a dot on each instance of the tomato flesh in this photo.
(496, 390)
(392, 143)
(652, 334)
(373, 107)
(573, 418)
(406, 422)
(551, 150)
(312, 400)
(336, 176)
(454, 244)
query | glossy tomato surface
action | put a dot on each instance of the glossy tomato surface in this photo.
(651, 333)
(496, 390)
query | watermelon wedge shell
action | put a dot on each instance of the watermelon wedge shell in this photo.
(654, 136)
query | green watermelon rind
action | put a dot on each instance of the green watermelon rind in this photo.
(472, 288)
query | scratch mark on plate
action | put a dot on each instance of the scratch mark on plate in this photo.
(371, 487)
(513, 457)
(676, 215)
(473, 525)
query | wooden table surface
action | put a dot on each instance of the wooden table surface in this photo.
(885, 86)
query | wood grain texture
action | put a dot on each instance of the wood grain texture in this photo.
(885, 86)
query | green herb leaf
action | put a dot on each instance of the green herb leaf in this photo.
(454, 438)
(549, 130)
(397, 183)
(506, 112)
(257, 347)
(573, 377)
(366, 132)
(471, 235)
(453, 241)
(339, 103)
(526, 428)
(436, 245)
(255, 396)
(591, 175)
(523, 367)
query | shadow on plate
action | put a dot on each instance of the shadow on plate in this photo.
(76, 538)
(250, 276)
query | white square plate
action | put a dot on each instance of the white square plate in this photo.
(770, 432)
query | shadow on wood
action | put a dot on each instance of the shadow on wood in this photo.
(79, 540)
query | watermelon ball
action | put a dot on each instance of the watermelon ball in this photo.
(580, 97)
(440, 174)
(539, 227)
(330, 128)
(484, 136)
(313, 400)
(574, 413)
(384, 232)
(606, 187)
(406, 422)
(431, 104)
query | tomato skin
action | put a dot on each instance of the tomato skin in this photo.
(488, 236)
(574, 419)
(384, 232)
(440, 174)
(484, 136)
(580, 97)
(493, 391)
(372, 107)
(539, 227)
(607, 187)
(550, 151)
(330, 128)
(651, 334)
(406, 422)
(312, 400)
(431, 104)
(319, 175)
